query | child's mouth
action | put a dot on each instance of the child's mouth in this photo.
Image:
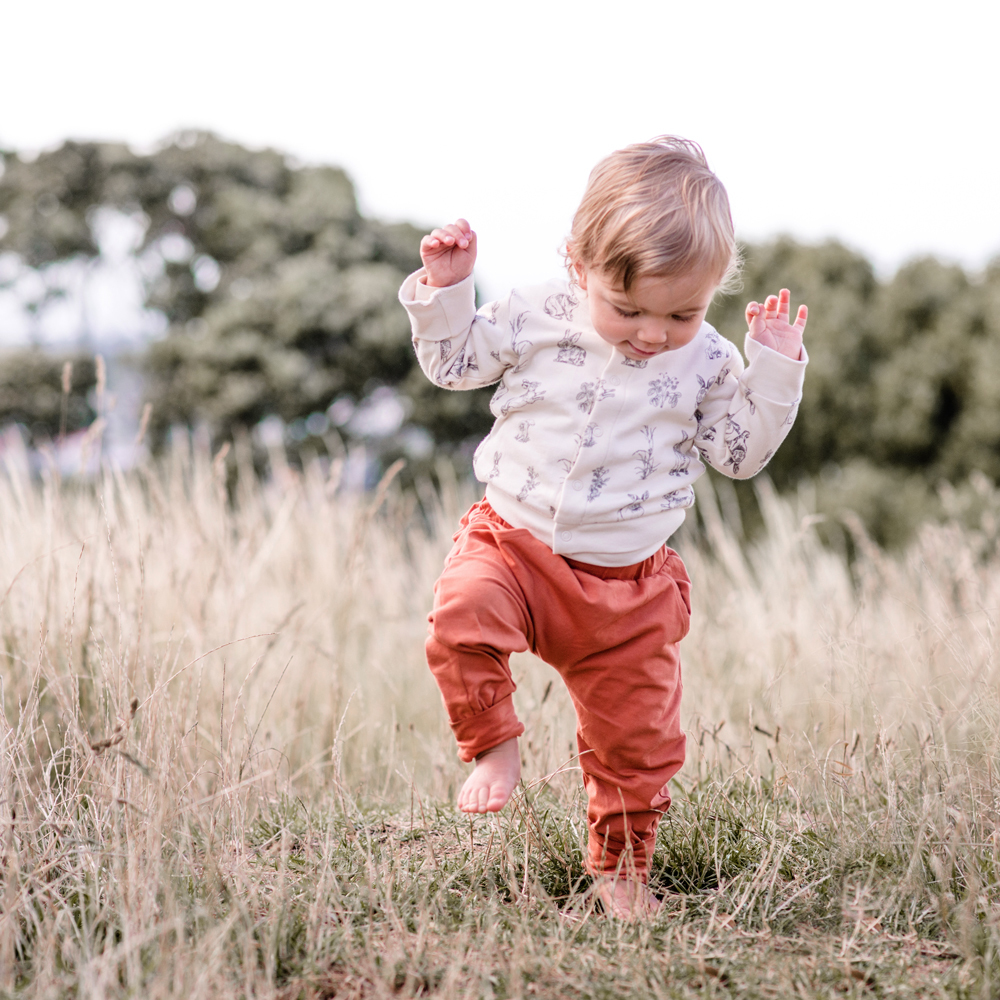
(639, 350)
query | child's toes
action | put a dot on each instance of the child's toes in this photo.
(484, 799)
(468, 797)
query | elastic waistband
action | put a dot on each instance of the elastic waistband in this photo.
(637, 571)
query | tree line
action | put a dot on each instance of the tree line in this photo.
(280, 299)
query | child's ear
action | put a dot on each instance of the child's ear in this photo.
(581, 275)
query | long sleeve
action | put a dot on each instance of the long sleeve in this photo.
(746, 413)
(456, 346)
(593, 452)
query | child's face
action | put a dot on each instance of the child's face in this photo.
(659, 314)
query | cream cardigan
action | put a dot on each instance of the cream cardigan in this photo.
(592, 452)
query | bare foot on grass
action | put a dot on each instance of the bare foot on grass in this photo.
(626, 898)
(498, 770)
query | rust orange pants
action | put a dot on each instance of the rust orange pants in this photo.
(611, 632)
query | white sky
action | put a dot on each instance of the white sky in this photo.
(872, 121)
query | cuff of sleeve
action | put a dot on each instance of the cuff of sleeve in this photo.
(485, 730)
(440, 313)
(771, 375)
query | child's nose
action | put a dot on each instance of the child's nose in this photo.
(653, 333)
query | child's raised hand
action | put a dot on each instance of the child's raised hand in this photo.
(449, 254)
(769, 324)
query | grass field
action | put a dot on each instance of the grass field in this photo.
(225, 772)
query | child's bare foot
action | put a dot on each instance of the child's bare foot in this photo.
(498, 770)
(626, 898)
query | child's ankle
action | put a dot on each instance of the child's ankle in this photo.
(626, 897)
(503, 747)
(493, 780)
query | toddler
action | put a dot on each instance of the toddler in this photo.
(613, 394)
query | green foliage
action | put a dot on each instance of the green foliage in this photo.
(710, 836)
(305, 310)
(31, 391)
(901, 390)
(45, 200)
(899, 371)
(281, 299)
(280, 296)
(840, 289)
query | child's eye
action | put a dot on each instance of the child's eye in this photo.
(627, 315)
(683, 319)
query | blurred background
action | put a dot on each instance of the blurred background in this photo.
(206, 210)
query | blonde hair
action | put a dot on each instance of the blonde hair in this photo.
(654, 209)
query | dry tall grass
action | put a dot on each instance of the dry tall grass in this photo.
(220, 750)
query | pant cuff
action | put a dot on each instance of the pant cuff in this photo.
(485, 730)
(611, 857)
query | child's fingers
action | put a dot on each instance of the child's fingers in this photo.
(453, 235)
(431, 247)
(755, 319)
(801, 316)
(771, 307)
(784, 297)
(456, 234)
(448, 235)
(437, 238)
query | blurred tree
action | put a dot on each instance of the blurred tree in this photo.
(280, 296)
(899, 371)
(903, 386)
(837, 409)
(975, 437)
(46, 393)
(280, 299)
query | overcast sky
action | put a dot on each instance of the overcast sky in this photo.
(871, 121)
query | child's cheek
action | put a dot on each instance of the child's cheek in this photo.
(611, 324)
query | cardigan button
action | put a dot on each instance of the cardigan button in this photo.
(577, 484)
(565, 535)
